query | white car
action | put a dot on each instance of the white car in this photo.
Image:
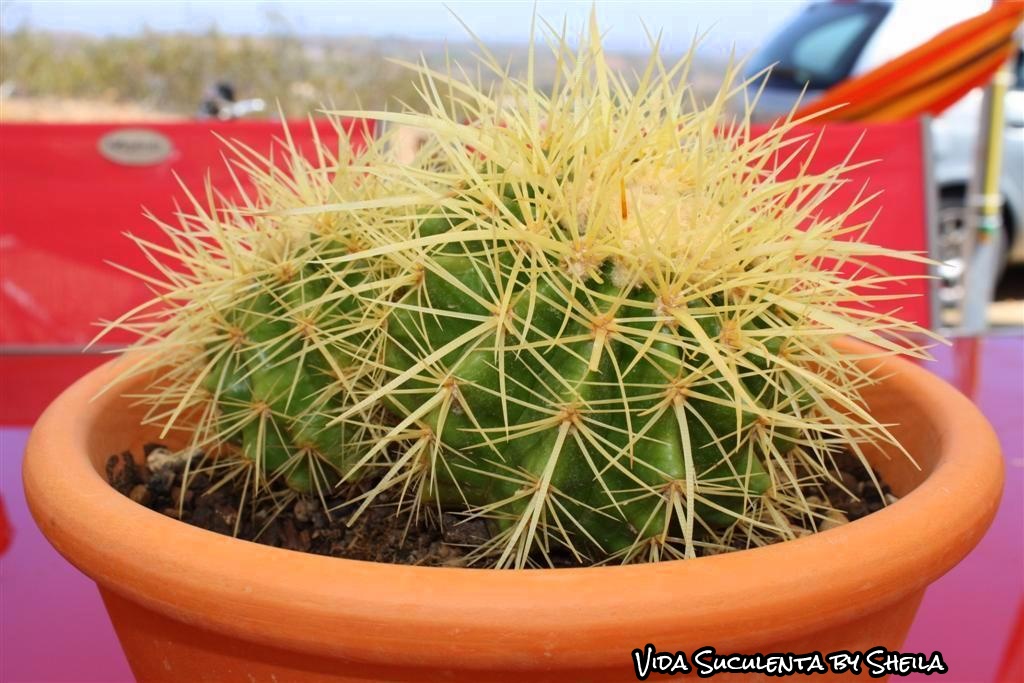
(828, 42)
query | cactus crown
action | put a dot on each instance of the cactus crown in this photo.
(599, 317)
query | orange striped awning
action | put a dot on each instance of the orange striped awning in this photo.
(930, 77)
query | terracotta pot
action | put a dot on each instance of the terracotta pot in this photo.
(192, 605)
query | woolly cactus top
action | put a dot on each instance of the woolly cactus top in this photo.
(599, 317)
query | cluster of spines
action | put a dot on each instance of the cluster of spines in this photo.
(598, 318)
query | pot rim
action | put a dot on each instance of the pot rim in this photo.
(486, 618)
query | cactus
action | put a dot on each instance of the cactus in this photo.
(257, 340)
(598, 318)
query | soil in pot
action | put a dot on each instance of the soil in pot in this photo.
(386, 532)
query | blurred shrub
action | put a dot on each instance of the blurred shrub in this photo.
(170, 71)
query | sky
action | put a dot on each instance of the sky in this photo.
(743, 22)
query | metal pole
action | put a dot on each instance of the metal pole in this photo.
(984, 208)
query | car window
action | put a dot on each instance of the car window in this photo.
(821, 45)
(1018, 72)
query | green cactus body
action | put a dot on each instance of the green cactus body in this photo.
(282, 381)
(536, 427)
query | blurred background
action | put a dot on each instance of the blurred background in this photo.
(65, 59)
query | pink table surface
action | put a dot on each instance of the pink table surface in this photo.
(53, 627)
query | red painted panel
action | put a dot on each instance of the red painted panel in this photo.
(897, 153)
(29, 382)
(64, 207)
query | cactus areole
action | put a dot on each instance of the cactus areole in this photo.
(598, 315)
